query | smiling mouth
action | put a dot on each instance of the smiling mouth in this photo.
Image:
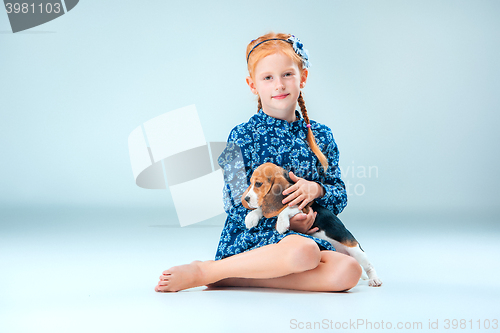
(280, 96)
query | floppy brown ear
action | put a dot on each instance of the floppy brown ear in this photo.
(272, 204)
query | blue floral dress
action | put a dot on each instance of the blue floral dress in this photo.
(266, 139)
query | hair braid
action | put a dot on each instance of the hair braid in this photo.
(259, 105)
(310, 136)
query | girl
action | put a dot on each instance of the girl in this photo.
(260, 256)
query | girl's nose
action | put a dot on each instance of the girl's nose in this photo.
(280, 84)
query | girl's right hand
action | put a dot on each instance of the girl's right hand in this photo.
(302, 192)
(303, 222)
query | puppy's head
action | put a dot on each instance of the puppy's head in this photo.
(267, 183)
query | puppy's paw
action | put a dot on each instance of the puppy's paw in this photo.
(375, 282)
(282, 225)
(252, 219)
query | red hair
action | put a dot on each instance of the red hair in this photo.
(281, 46)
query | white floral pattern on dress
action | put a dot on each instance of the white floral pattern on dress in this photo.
(266, 139)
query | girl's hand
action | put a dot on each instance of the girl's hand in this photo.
(302, 192)
(303, 222)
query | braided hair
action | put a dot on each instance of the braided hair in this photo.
(272, 47)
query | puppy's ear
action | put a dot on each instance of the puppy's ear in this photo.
(272, 204)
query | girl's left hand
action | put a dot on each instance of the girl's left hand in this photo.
(303, 222)
(302, 192)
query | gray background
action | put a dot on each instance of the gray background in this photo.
(410, 87)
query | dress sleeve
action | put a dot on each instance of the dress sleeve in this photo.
(237, 166)
(335, 198)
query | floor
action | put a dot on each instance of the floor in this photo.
(94, 270)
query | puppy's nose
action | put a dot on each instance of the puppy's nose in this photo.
(247, 198)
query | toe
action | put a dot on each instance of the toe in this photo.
(161, 289)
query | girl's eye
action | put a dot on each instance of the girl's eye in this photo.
(268, 78)
(288, 74)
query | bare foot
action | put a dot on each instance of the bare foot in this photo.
(182, 277)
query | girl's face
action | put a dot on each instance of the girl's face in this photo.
(277, 80)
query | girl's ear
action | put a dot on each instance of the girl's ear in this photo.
(251, 84)
(303, 78)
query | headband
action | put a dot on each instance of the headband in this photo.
(298, 47)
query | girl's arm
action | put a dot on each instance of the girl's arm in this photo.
(302, 192)
(335, 196)
(303, 222)
(237, 167)
(329, 191)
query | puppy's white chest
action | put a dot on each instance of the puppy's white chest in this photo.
(282, 224)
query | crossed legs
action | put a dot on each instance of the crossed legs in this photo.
(293, 263)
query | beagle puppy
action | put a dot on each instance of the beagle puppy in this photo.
(264, 198)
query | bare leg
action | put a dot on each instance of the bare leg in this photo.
(335, 272)
(293, 254)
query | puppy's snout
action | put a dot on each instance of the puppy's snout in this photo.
(247, 198)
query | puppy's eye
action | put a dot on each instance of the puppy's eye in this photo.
(258, 184)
